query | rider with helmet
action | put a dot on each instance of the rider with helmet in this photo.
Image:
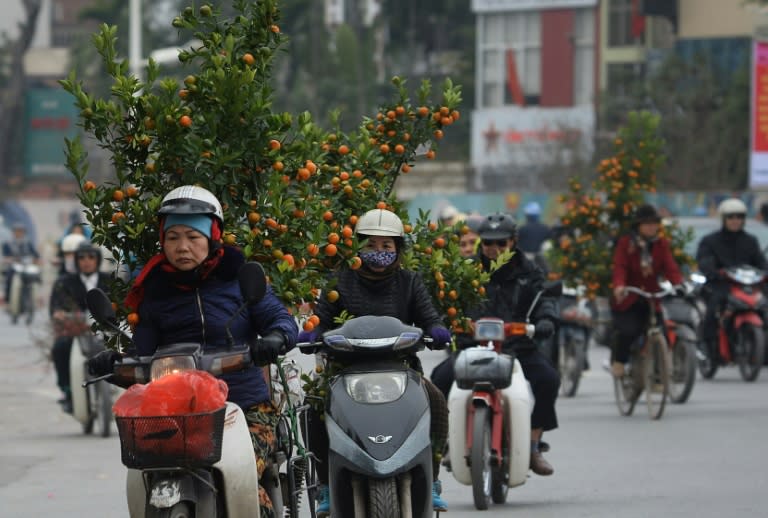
(510, 292)
(67, 249)
(15, 250)
(533, 233)
(189, 291)
(68, 306)
(729, 246)
(639, 259)
(381, 287)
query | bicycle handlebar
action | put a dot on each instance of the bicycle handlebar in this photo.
(658, 295)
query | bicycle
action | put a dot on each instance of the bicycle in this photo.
(648, 368)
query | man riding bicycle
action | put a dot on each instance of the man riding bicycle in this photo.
(640, 257)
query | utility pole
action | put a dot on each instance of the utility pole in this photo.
(134, 38)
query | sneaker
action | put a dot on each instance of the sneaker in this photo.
(617, 369)
(323, 508)
(438, 504)
(66, 404)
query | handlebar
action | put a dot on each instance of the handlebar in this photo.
(648, 295)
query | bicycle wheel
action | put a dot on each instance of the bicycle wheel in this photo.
(571, 365)
(656, 373)
(627, 389)
(683, 373)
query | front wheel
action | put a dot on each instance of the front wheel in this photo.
(382, 498)
(571, 364)
(104, 407)
(480, 458)
(656, 375)
(752, 351)
(683, 371)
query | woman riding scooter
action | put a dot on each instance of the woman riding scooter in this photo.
(381, 287)
(187, 293)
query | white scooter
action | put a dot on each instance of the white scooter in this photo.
(195, 465)
(22, 295)
(91, 402)
(489, 409)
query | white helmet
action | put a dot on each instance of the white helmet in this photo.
(70, 242)
(191, 199)
(380, 222)
(732, 206)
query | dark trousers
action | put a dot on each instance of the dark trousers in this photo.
(628, 326)
(316, 434)
(545, 384)
(537, 369)
(62, 346)
(716, 295)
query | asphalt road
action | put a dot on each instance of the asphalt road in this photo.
(706, 458)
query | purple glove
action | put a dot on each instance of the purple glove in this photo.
(308, 336)
(441, 337)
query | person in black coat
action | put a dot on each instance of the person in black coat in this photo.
(68, 308)
(510, 292)
(381, 287)
(729, 246)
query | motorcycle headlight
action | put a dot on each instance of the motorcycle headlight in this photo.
(171, 365)
(376, 387)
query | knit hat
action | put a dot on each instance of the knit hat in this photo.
(200, 222)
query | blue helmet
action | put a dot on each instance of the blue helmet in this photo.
(532, 209)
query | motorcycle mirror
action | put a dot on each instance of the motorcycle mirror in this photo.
(253, 282)
(101, 307)
(553, 288)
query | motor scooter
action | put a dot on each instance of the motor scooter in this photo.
(378, 420)
(194, 465)
(741, 326)
(577, 315)
(91, 402)
(489, 408)
(25, 274)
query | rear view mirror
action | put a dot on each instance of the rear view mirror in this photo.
(253, 282)
(101, 307)
(553, 288)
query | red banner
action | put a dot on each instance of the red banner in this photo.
(760, 98)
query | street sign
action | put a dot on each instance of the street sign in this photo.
(49, 116)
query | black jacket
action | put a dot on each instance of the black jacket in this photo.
(402, 295)
(723, 249)
(510, 293)
(532, 235)
(68, 292)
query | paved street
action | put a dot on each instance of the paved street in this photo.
(704, 459)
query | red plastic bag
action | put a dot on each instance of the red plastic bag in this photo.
(188, 392)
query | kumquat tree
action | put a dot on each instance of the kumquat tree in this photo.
(596, 215)
(291, 191)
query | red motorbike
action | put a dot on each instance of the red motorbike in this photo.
(741, 335)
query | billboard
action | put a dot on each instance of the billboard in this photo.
(530, 136)
(49, 116)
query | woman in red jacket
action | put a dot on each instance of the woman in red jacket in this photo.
(639, 259)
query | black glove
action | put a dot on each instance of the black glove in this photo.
(103, 363)
(544, 328)
(441, 338)
(266, 349)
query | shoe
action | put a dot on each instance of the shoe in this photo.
(438, 504)
(323, 508)
(617, 369)
(66, 405)
(539, 464)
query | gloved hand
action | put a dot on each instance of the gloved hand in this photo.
(441, 338)
(544, 328)
(680, 290)
(103, 363)
(266, 349)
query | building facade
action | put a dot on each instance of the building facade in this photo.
(535, 88)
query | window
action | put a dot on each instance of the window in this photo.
(584, 56)
(623, 77)
(519, 32)
(620, 24)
